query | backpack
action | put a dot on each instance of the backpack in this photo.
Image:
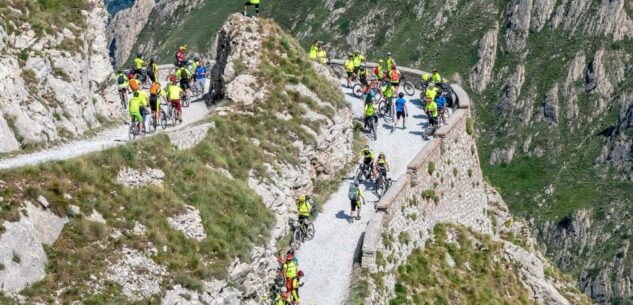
(154, 88)
(352, 193)
(121, 79)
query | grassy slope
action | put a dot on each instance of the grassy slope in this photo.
(233, 215)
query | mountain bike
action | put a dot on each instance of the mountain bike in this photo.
(363, 173)
(385, 110)
(142, 78)
(135, 129)
(186, 100)
(123, 97)
(336, 69)
(173, 114)
(303, 232)
(407, 86)
(163, 116)
(371, 123)
(382, 183)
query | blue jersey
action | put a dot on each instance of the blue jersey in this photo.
(400, 104)
(441, 102)
(199, 72)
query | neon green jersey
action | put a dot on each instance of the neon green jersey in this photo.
(370, 109)
(173, 92)
(436, 78)
(139, 62)
(432, 108)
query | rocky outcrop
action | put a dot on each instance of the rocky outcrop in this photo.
(137, 178)
(22, 252)
(55, 86)
(518, 24)
(481, 75)
(124, 29)
(189, 223)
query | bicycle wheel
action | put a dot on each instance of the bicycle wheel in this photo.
(374, 129)
(132, 131)
(297, 238)
(338, 70)
(185, 102)
(163, 119)
(409, 89)
(357, 90)
(173, 117)
(309, 231)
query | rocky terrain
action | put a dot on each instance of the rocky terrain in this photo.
(56, 71)
(171, 220)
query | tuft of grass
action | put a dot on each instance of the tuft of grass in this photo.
(428, 194)
(16, 258)
(431, 167)
(470, 126)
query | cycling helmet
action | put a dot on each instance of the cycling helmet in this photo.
(401, 94)
(302, 197)
(444, 80)
(434, 70)
(366, 146)
(350, 55)
(381, 61)
(431, 84)
(172, 78)
(139, 54)
(182, 48)
(393, 66)
(356, 183)
(381, 154)
(300, 273)
(362, 66)
(196, 58)
(284, 289)
(388, 53)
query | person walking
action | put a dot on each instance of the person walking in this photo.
(254, 3)
(401, 111)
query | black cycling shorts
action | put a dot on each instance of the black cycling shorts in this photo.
(153, 102)
(395, 84)
(151, 76)
(399, 114)
(184, 84)
(354, 204)
(432, 121)
(363, 80)
(350, 74)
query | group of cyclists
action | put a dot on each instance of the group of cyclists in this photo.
(382, 87)
(144, 76)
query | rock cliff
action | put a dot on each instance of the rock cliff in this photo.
(125, 27)
(58, 80)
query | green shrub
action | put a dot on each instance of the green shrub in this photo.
(428, 194)
(470, 126)
(431, 167)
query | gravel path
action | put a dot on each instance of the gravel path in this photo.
(105, 139)
(327, 260)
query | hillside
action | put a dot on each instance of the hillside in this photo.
(190, 216)
(57, 82)
(554, 102)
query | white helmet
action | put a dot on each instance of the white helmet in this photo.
(431, 84)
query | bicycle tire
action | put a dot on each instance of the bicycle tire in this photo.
(409, 89)
(357, 90)
(132, 131)
(375, 131)
(163, 120)
(310, 231)
(297, 237)
(173, 117)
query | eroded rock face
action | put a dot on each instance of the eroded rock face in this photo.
(21, 251)
(482, 73)
(125, 27)
(52, 90)
(189, 223)
(137, 273)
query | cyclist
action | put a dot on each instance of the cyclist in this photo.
(370, 112)
(379, 71)
(440, 101)
(182, 74)
(358, 60)
(201, 76)
(355, 195)
(435, 77)
(138, 65)
(180, 56)
(349, 69)
(289, 269)
(136, 103)
(431, 111)
(152, 70)
(388, 92)
(155, 93)
(296, 284)
(254, 3)
(394, 77)
(368, 157)
(390, 61)
(363, 76)
(283, 297)
(322, 56)
(426, 78)
(173, 95)
(133, 83)
(382, 166)
(122, 82)
(446, 90)
(304, 208)
(431, 91)
(401, 110)
(314, 49)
